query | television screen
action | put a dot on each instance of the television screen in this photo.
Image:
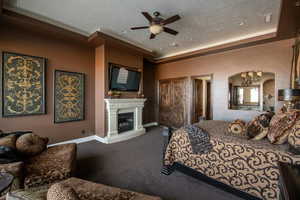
(122, 79)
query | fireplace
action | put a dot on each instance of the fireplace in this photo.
(125, 122)
(124, 119)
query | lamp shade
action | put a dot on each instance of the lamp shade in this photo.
(289, 95)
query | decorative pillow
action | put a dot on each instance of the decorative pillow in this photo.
(237, 127)
(281, 126)
(262, 134)
(59, 191)
(294, 137)
(276, 118)
(31, 144)
(258, 125)
(8, 141)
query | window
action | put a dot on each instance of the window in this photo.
(254, 95)
(240, 95)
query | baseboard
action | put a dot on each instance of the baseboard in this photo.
(150, 124)
(125, 136)
(77, 141)
(105, 140)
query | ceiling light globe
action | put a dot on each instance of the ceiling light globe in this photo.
(156, 29)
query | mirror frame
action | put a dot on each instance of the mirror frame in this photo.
(260, 107)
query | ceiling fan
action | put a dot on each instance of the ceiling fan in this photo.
(157, 24)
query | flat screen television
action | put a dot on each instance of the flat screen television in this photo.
(123, 79)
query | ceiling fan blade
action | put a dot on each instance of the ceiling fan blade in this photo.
(171, 20)
(148, 16)
(171, 31)
(140, 27)
(152, 36)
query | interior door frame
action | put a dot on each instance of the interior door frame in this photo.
(187, 79)
(193, 97)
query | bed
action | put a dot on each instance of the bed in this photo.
(245, 167)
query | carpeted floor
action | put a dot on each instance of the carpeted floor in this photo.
(135, 165)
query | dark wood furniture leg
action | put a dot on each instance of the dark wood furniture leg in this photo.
(167, 133)
(289, 181)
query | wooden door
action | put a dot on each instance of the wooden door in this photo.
(208, 101)
(198, 99)
(173, 102)
(165, 101)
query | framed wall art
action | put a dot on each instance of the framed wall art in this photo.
(23, 85)
(69, 91)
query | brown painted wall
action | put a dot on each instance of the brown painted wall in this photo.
(127, 58)
(271, 57)
(61, 55)
(103, 56)
(100, 70)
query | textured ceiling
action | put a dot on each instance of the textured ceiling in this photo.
(204, 23)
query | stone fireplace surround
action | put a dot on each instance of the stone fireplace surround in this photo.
(116, 106)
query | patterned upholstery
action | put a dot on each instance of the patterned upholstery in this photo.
(237, 127)
(294, 137)
(281, 126)
(247, 165)
(17, 170)
(60, 191)
(258, 124)
(35, 193)
(31, 144)
(93, 191)
(262, 134)
(86, 190)
(55, 164)
(8, 141)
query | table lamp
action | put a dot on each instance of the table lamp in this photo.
(289, 96)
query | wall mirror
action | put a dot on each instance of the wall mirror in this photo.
(252, 91)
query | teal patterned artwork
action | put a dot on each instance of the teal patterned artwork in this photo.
(68, 96)
(23, 85)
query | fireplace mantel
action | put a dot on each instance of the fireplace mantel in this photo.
(116, 106)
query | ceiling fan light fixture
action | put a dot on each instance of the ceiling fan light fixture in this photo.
(156, 29)
(157, 24)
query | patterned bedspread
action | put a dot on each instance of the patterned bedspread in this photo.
(250, 166)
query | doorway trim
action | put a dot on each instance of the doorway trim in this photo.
(193, 97)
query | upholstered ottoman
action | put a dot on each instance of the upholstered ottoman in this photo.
(85, 190)
(52, 165)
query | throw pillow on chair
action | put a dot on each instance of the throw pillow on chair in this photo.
(31, 144)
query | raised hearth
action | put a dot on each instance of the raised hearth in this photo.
(123, 107)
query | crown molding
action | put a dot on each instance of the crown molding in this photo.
(44, 19)
(27, 23)
(99, 38)
(223, 44)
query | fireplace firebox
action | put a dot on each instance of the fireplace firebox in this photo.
(125, 122)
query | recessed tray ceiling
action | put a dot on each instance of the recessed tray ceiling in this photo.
(204, 23)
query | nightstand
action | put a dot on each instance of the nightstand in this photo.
(289, 181)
